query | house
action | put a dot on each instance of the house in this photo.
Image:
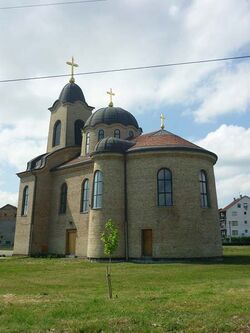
(7, 225)
(235, 218)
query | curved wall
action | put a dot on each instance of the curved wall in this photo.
(112, 166)
(184, 229)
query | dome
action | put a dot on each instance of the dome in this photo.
(112, 115)
(112, 145)
(71, 93)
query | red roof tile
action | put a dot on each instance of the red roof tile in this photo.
(162, 138)
(74, 161)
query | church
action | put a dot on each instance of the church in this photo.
(158, 188)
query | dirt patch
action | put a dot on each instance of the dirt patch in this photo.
(24, 299)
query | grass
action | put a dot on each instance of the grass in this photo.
(70, 295)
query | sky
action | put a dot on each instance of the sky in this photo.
(208, 104)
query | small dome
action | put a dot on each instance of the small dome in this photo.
(113, 145)
(112, 115)
(71, 93)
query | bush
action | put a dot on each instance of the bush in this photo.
(236, 241)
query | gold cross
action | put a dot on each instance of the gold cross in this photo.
(162, 121)
(72, 64)
(110, 93)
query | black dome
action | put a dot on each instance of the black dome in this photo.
(112, 115)
(112, 145)
(71, 93)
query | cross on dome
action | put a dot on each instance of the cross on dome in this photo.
(162, 121)
(72, 64)
(110, 93)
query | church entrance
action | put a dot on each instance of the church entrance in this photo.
(71, 242)
(147, 243)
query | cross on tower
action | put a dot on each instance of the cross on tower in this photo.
(110, 93)
(162, 121)
(72, 64)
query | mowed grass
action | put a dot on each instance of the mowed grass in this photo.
(70, 295)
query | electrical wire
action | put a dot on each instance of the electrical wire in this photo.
(51, 4)
(127, 69)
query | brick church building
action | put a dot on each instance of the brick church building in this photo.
(158, 188)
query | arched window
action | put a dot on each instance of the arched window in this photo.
(100, 134)
(98, 189)
(164, 187)
(63, 199)
(56, 133)
(85, 196)
(203, 189)
(131, 134)
(117, 133)
(87, 143)
(79, 124)
(25, 201)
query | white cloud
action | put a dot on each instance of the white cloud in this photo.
(8, 198)
(231, 144)
(115, 34)
(227, 92)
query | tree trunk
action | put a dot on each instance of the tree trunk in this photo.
(108, 275)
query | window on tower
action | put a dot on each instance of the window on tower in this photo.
(25, 201)
(164, 187)
(85, 196)
(117, 133)
(203, 189)
(79, 124)
(63, 199)
(98, 190)
(56, 133)
(100, 134)
(87, 142)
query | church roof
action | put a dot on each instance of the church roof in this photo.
(111, 115)
(71, 93)
(112, 145)
(165, 140)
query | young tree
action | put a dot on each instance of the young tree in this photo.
(110, 238)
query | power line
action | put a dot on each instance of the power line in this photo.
(51, 4)
(127, 69)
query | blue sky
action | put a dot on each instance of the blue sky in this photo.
(208, 104)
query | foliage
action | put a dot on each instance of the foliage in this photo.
(236, 241)
(67, 295)
(110, 238)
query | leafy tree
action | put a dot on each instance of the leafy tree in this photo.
(110, 238)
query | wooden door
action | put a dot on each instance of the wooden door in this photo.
(147, 243)
(71, 242)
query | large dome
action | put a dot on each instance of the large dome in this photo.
(71, 93)
(112, 115)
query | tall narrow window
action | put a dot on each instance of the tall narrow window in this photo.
(63, 199)
(56, 133)
(98, 189)
(85, 196)
(87, 142)
(79, 124)
(25, 201)
(164, 187)
(203, 189)
(117, 133)
(100, 134)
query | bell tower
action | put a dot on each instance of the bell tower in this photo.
(68, 115)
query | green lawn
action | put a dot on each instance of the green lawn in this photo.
(70, 295)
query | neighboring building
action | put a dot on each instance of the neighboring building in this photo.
(235, 218)
(158, 188)
(7, 225)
